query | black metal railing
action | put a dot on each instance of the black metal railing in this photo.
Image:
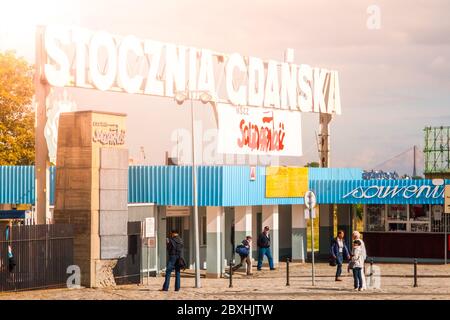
(41, 255)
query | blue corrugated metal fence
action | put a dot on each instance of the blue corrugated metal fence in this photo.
(232, 186)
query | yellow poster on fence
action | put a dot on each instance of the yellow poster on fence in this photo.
(286, 182)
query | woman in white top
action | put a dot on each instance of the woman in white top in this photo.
(358, 264)
(357, 236)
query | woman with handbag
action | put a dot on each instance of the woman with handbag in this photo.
(174, 261)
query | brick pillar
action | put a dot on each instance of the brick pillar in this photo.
(92, 189)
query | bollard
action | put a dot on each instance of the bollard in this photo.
(415, 274)
(231, 275)
(287, 271)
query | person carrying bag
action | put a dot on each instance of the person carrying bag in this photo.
(243, 250)
(174, 261)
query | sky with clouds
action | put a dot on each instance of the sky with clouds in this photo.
(394, 80)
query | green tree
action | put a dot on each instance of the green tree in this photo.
(16, 112)
(312, 164)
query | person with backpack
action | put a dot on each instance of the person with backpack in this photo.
(243, 250)
(264, 249)
(174, 260)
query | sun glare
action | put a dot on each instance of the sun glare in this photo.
(19, 18)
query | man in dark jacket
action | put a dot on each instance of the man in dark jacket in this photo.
(264, 249)
(174, 252)
(339, 251)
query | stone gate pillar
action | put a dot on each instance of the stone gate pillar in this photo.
(92, 191)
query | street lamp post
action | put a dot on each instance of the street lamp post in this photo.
(180, 97)
(194, 186)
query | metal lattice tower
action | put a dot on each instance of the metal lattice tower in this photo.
(437, 150)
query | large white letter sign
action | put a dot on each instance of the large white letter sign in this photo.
(193, 54)
(236, 97)
(337, 96)
(129, 84)
(305, 78)
(57, 77)
(153, 51)
(103, 81)
(81, 39)
(288, 86)
(255, 88)
(272, 90)
(319, 84)
(175, 69)
(171, 69)
(206, 74)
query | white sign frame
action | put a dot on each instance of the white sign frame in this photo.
(149, 227)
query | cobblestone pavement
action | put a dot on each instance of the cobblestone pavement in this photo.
(396, 283)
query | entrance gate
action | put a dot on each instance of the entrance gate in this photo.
(42, 254)
(128, 269)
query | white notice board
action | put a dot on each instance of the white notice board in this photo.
(149, 227)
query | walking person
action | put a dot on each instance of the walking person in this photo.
(356, 235)
(357, 264)
(243, 250)
(174, 261)
(264, 249)
(339, 251)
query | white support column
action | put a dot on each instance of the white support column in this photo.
(223, 258)
(299, 233)
(242, 226)
(162, 236)
(214, 255)
(187, 240)
(270, 219)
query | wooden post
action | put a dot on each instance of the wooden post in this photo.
(324, 136)
(42, 164)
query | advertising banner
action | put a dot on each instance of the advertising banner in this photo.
(286, 182)
(396, 192)
(259, 131)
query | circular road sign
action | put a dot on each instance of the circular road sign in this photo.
(310, 199)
